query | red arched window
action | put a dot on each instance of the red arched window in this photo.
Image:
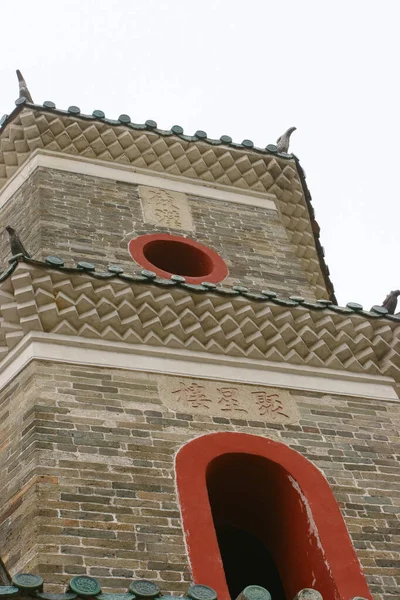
(252, 507)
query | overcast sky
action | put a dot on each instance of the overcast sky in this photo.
(250, 70)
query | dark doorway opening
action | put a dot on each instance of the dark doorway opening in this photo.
(267, 490)
(259, 523)
(247, 562)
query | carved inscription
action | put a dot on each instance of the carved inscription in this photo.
(269, 403)
(192, 394)
(230, 400)
(165, 208)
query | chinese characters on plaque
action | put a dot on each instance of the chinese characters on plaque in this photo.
(230, 400)
(165, 208)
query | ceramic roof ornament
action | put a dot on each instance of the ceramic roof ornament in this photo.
(308, 594)
(282, 143)
(17, 246)
(83, 586)
(5, 578)
(23, 88)
(254, 592)
(390, 302)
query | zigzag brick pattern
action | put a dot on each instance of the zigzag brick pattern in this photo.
(35, 299)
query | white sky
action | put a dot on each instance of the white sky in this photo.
(249, 70)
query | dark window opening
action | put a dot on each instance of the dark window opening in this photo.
(259, 523)
(168, 254)
(247, 562)
(178, 258)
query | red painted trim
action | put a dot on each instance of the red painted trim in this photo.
(341, 577)
(216, 272)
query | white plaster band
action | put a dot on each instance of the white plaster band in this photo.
(128, 174)
(118, 355)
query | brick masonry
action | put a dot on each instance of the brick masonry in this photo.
(87, 454)
(81, 217)
(88, 475)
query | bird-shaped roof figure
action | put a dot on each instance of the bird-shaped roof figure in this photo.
(5, 578)
(282, 143)
(390, 302)
(23, 88)
(17, 246)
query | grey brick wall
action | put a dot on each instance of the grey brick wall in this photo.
(87, 454)
(88, 475)
(86, 218)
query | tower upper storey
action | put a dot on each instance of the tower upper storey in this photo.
(83, 186)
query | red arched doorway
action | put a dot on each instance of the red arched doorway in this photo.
(245, 491)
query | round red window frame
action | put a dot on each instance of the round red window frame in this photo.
(137, 249)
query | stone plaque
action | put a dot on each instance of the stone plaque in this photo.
(225, 399)
(166, 209)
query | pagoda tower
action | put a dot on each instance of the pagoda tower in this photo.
(181, 398)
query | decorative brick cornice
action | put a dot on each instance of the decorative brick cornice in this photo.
(142, 309)
(241, 166)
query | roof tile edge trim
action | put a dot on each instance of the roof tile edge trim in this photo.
(143, 309)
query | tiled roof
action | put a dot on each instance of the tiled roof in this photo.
(83, 586)
(149, 277)
(243, 165)
(123, 119)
